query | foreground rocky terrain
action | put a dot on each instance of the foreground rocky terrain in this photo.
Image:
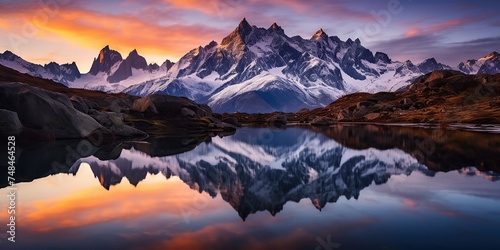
(38, 109)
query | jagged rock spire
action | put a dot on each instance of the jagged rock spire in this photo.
(320, 34)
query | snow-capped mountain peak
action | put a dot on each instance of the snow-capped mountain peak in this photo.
(489, 64)
(111, 73)
(239, 36)
(263, 70)
(64, 73)
(275, 27)
(253, 70)
(430, 65)
(490, 56)
(106, 59)
(382, 57)
(320, 34)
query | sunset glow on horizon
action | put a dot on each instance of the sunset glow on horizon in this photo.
(73, 30)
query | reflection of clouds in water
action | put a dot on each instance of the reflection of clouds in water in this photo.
(447, 194)
(147, 216)
(394, 197)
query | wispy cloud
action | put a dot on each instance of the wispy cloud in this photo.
(170, 28)
(95, 29)
(424, 46)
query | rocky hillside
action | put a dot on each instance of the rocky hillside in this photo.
(443, 96)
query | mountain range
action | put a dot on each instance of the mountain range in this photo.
(261, 170)
(253, 70)
(260, 175)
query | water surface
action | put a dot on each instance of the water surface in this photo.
(345, 187)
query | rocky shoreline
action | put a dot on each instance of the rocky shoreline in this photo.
(35, 109)
(441, 98)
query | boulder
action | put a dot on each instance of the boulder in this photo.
(9, 122)
(80, 104)
(342, 116)
(46, 111)
(217, 116)
(165, 105)
(322, 121)
(406, 101)
(116, 104)
(114, 122)
(372, 116)
(278, 120)
(226, 126)
(205, 111)
(188, 113)
(232, 120)
(364, 104)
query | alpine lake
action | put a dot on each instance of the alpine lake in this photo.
(339, 187)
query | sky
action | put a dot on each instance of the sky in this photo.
(68, 31)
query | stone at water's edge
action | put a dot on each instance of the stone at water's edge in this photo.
(232, 120)
(322, 121)
(45, 111)
(372, 116)
(114, 122)
(10, 124)
(164, 104)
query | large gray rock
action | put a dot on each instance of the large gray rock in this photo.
(9, 122)
(80, 104)
(232, 120)
(205, 111)
(188, 113)
(278, 120)
(322, 121)
(46, 111)
(165, 105)
(114, 122)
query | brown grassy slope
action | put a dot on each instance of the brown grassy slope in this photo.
(438, 97)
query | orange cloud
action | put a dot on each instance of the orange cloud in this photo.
(208, 7)
(235, 7)
(124, 32)
(446, 25)
(409, 203)
(93, 205)
(218, 235)
(413, 32)
(438, 27)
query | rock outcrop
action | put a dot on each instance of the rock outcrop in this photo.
(41, 109)
(171, 112)
(442, 96)
(45, 111)
(10, 123)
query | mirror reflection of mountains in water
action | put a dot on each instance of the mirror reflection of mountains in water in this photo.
(261, 169)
